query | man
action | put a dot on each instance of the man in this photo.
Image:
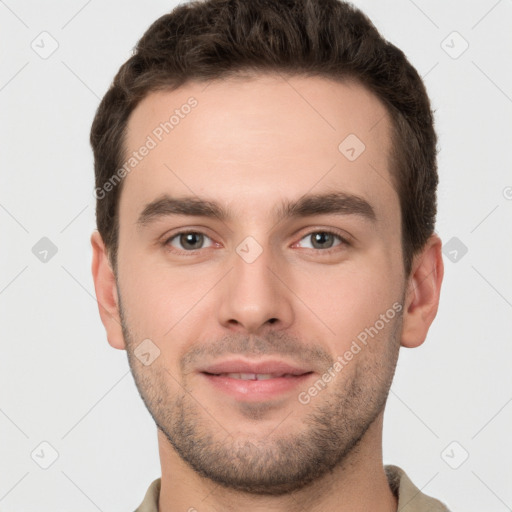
(266, 197)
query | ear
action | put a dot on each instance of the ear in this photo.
(106, 292)
(422, 296)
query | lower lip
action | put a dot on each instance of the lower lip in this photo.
(257, 390)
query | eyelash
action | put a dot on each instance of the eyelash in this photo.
(343, 241)
(183, 251)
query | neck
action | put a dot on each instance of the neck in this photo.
(359, 483)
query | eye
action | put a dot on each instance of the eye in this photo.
(321, 240)
(189, 241)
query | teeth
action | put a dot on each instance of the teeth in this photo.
(251, 376)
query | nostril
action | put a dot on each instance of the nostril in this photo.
(272, 321)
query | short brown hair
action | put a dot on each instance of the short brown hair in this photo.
(213, 39)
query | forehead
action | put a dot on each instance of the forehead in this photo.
(254, 141)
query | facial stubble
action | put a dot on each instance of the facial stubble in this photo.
(331, 426)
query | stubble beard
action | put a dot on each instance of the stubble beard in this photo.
(331, 427)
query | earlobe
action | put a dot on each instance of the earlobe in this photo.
(106, 292)
(422, 296)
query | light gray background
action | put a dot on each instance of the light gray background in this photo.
(60, 381)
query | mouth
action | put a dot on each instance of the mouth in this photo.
(251, 381)
(246, 369)
(256, 376)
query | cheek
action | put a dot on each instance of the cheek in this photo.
(146, 298)
(347, 299)
(163, 304)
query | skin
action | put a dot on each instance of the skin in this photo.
(249, 145)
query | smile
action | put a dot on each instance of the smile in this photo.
(254, 376)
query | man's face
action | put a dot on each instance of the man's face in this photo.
(281, 246)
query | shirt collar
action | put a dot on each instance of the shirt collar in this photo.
(410, 498)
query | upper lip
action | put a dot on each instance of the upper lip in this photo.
(274, 367)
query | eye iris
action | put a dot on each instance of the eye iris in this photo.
(191, 240)
(322, 240)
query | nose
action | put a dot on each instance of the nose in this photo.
(253, 296)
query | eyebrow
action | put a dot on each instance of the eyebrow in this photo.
(337, 203)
